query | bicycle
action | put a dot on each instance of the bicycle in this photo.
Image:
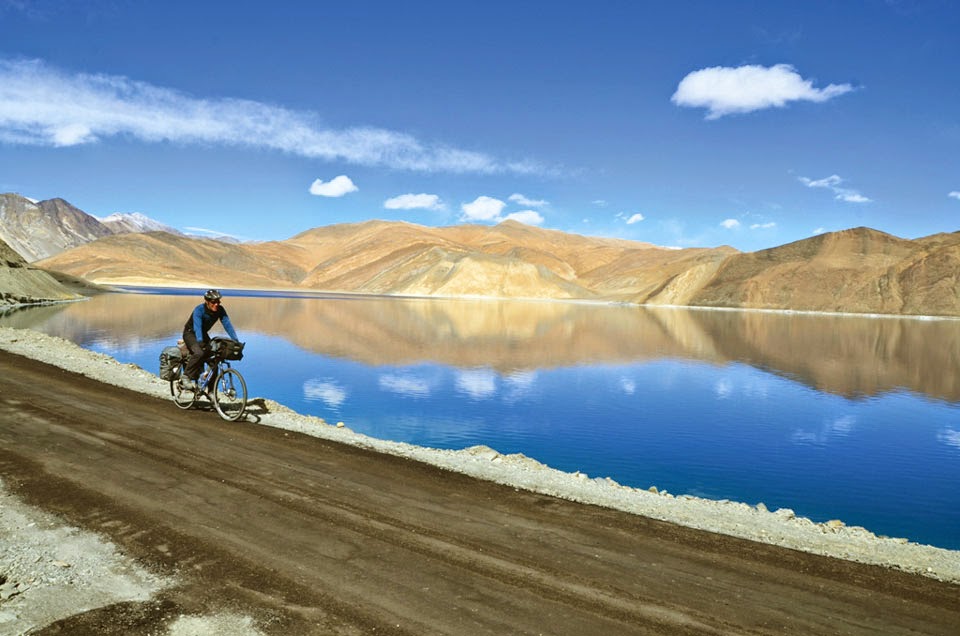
(223, 385)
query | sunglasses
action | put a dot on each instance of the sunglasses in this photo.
(214, 302)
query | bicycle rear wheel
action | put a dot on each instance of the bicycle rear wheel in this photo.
(181, 397)
(230, 395)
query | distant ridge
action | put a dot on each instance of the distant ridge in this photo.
(859, 270)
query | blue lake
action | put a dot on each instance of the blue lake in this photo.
(835, 417)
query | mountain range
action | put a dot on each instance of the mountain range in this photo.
(857, 270)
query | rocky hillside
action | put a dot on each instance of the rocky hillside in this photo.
(22, 284)
(858, 270)
(37, 230)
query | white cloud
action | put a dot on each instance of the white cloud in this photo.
(730, 224)
(519, 199)
(43, 106)
(628, 386)
(528, 217)
(954, 195)
(832, 183)
(414, 201)
(406, 385)
(725, 90)
(212, 233)
(723, 389)
(600, 203)
(326, 391)
(482, 208)
(763, 226)
(477, 383)
(949, 437)
(818, 231)
(636, 218)
(336, 187)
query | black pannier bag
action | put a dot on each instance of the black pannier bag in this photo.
(170, 362)
(227, 349)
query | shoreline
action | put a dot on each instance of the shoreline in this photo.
(292, 292)
(778, 527)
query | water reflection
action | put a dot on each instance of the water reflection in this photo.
(844, 355)
(729, 405)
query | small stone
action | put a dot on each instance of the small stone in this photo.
(762, 507)
(61, 564)
(835, 524)
(785, 513)
(340, 424)
(653, 489)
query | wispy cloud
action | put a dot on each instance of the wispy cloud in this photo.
(630, 219)
(405, 384)
(336, 187)
(519, 199)
(954, 195)
(415, 202)
(769, 225)
(730, 224)
(832, 183)
(726, 90)
(43, 106)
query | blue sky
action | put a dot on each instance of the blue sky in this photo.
(683, 123)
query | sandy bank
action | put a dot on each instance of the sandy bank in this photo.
(780, 527)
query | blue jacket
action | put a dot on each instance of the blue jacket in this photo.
(202, 319)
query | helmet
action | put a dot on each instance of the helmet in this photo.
(212, 295)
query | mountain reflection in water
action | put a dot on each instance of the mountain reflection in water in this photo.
(844, 355)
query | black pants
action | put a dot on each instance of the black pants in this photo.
(198, 351)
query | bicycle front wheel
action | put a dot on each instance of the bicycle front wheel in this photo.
(230, 395)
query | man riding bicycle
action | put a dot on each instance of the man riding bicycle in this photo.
(196, 334)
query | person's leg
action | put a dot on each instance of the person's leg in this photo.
(195, 359)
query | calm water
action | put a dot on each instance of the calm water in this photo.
(835, 417)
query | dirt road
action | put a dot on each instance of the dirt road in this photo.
(312, 537)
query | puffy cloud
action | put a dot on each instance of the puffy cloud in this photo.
(43, 106)
(636, 218)
(954, 195)
(336, 187)
(730, 224)
(414, 201)
(326, 391)
(833, 183)
(519, 199)
(483, 208)
(529, 217)
(725, 90)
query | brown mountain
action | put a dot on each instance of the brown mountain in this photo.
(42, 229)
(22, 284)
(858, 270)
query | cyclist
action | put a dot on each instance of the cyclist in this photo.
(196, 336)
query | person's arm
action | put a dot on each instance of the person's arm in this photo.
(225, 319)
(198, 322)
